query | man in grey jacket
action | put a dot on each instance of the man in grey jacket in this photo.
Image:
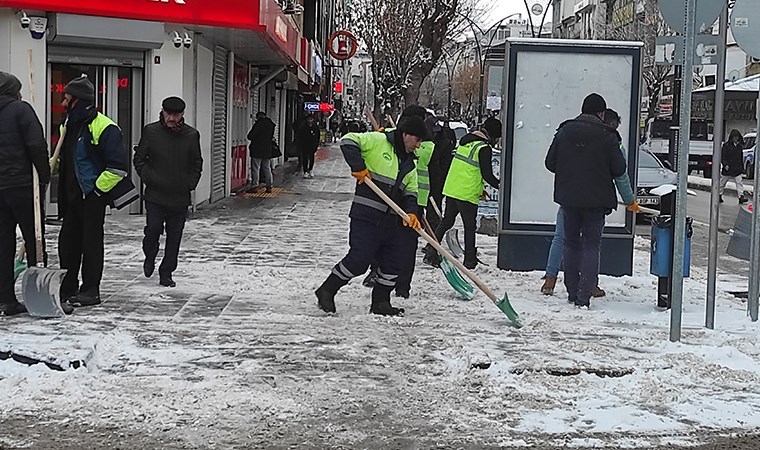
(22, 145)
(168, 160)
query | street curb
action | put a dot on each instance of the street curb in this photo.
(731, 191)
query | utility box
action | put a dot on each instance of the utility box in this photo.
(662, 246)
(545, 82)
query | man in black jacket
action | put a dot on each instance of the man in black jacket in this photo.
(168, 160)
(22, 145)
(93, 162)
(732, 165)
(585, 159)
(261, 136)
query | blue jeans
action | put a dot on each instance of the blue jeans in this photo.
(583, 240)
(554, 261)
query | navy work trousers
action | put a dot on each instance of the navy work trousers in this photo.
(372, 242)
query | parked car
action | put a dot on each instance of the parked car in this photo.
(651, 174)
(750, 142)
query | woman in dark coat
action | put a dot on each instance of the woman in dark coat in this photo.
(308, 143)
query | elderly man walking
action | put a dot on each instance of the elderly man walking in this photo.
(168, 159)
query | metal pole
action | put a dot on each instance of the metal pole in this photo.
(712, 252)
(754, 250)
(679, 223)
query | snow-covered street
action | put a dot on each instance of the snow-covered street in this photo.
(239, 356)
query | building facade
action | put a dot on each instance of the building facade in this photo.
(228, 60)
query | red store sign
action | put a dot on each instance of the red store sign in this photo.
(242, 14)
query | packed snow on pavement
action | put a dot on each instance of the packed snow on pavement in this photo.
(253, 362)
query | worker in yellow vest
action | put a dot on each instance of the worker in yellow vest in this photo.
(376, 231)
(470, 169)
(410, 238)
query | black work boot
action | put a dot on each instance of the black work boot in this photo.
(432, 258)
(471, 258)
(166, 280)
(90, 297)
(326, 293)
(381, 302)
(149, 265)
(12, 309)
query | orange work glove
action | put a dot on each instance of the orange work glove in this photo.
(633, 207)
(360, 175)
(414, 222)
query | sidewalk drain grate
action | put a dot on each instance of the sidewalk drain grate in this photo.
(573, 371)
(262, 193)
(30, 361)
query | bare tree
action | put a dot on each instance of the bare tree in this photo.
(624, 22)
(405, 41)
(466, 85)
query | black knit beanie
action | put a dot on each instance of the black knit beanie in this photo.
(415, 126)
(81, 88)
(593, 104)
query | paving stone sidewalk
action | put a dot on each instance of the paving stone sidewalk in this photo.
(248, 229)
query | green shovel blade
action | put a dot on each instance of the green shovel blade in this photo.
(510, 312)
(19, 267)
(455, 279)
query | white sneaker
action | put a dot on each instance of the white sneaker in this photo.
(311, 174)
(306, 174)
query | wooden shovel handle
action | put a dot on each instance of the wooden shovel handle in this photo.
(431, 240)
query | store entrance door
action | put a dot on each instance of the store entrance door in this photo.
(118, 94)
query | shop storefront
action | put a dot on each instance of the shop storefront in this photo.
(138, 52)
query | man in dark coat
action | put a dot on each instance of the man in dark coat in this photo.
(307, 137)
(93, 162)
(261, 136)
(732, 165)
(22, 145)
(585, 159)
(168, 159)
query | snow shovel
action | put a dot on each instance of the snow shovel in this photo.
(40, 286)
(450, 236)
(455, 279)
(503, 303)
(20, 264)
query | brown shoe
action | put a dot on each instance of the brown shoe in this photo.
(548, 287)
(597, 292)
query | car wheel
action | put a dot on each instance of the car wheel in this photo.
(750, 171)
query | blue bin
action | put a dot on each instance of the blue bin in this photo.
(662, 246)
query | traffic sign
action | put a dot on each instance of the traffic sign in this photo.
(669, 50)
(707, 13)
(745, 26)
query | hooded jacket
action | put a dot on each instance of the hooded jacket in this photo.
(585, 158)
(732, 157)
(261, 136)
(22, 144)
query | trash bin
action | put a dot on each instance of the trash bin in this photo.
(662, 246)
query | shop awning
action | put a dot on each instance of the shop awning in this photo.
(257, 29)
